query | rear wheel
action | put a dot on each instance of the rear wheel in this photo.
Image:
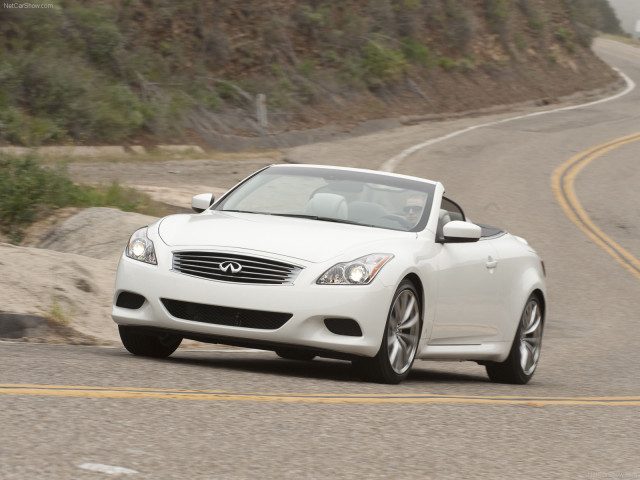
(158, 346)
(523, 358)
(399, 341)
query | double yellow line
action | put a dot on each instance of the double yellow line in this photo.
(334, 398)
(563, 186)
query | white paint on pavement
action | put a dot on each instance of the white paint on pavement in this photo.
(108, 469)
(393, 163)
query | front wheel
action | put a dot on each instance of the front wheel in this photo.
(523, 358)
(399, 341)
(158, 346)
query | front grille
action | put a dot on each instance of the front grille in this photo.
(211, 265)
(233, 317)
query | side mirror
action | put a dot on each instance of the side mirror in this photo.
(201, 202)
(458, 231)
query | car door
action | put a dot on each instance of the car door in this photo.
(467, 305)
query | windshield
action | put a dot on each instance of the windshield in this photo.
(327, 194)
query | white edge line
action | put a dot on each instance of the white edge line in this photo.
(393, 163)
(108, 469)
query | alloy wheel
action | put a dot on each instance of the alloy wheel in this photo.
(530, 337)
(403, 331)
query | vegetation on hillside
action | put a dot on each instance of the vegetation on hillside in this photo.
(102, 72)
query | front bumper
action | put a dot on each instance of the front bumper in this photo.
(308, 303)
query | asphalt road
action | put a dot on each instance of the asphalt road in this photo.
(88, 412)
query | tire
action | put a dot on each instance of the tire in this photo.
(399, 340)
(292, 354)
(523, 357)
(157, 346)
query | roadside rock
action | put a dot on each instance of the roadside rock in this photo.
(16, 325)
(98, 232)
(70, 291)
(59, 287)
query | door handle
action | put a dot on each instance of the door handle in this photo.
(491, 263)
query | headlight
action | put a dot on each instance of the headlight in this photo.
(141, 248)
(358, 272)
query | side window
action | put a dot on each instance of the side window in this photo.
(455, 211)
(449, 211)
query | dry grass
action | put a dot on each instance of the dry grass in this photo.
(161, 156)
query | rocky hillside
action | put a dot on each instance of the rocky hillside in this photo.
(144, 70)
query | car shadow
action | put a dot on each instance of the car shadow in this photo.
(319, 368)
(441, 376)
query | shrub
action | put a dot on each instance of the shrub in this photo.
(533, 15)
(26, 188)
(466, 65)
(312, 21)
(381, 12)
(447, 63)
(497, 12)
(114, 112)
(459, 30)
(27, 191)
(417, 53)
(565, 37)
(382, 65)
(94, 29)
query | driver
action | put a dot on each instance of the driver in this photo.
(413, 209)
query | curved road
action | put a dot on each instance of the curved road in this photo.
(84, 412)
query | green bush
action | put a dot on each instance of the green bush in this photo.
(13, 126)
(26, 189)
(382, 65)
(565, 37)
(447, 63)
(417, 53)
(466, 65)
(312, 21)
(114, 112)
(497, 12)
(591, 15)
(67, 99)
(94, 29)
(533, 15)
(351, 72)
(459, 27)
(29, 191)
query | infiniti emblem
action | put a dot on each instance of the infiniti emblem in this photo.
(233, 266)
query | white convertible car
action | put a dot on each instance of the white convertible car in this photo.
(376, 268)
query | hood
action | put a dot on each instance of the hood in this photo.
(299, 238)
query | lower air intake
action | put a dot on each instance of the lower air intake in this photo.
(232, 317)
(343, 326)
(130, 300)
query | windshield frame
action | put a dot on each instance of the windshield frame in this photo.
(425, 187)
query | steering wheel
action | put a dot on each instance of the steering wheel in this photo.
(397, 218)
